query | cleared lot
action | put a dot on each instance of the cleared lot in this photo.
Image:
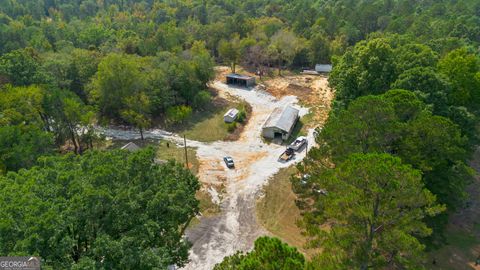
(236, 190)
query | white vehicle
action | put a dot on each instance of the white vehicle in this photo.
(298, 143)
(229, 162)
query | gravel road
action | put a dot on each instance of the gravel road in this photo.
(236, 227)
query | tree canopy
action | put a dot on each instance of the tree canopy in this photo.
(100, 210)
(373, 210)
(407, 81)
(268, 253)
(399, 123)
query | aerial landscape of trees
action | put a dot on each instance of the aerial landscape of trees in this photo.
(403, 99)
(100, 210)
(403, 127)
(383, 201)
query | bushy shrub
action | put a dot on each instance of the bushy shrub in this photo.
(178, 114)
(231, 127)
(201, 99)
(242, 114)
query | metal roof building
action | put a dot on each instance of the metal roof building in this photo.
(280, 123)
(240, 80)
(131, 146)
(323, 68)
(230, 116)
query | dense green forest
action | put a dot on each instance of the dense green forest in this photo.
(134, 62)
(407, 80)
(99, 210)
(147, 27)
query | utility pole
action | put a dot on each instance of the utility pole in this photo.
(306, 156)
(185, 146)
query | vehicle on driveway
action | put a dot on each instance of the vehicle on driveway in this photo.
(287, 155)
(298, 143)
(229, 162)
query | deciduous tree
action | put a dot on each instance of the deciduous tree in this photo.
(104, 210)
(21, 68)
(20, 146)
(463, 70)
(283, 47)
(118, 77)
(137, 112)
(368, 68)
(398, 123)
(230, 51)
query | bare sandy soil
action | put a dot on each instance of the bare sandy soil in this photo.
(312, 91)
(235, 190)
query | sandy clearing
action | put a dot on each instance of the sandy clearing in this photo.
(311, 90)
(236, 227)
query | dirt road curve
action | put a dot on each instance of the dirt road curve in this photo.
(236, 227)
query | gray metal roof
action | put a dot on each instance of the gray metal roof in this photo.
(131, 146)
(323, 68)
(239, 76)
(231, 113)
(283, 119)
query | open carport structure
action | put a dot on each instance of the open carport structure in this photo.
(240, 80)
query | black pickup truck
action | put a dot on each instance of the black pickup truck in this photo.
(287, 155)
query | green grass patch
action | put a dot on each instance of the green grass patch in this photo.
(309, 118)
(207, 125)
(462, 236)
(299, 130)
(460, 252)
(209, 130)
(207, 207)
(277, 210)
(177, 153)
(173, 151)
(461, 239)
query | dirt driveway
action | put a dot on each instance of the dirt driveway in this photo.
(236, 227)
(235, 190)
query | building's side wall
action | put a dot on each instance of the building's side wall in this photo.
(228, 119)
(251, 82)
(268, 132)
(241, 82)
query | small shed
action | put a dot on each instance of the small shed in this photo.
(323, 68)
(131, 146)
(240, 80)
(230, 116)
(280, 123)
